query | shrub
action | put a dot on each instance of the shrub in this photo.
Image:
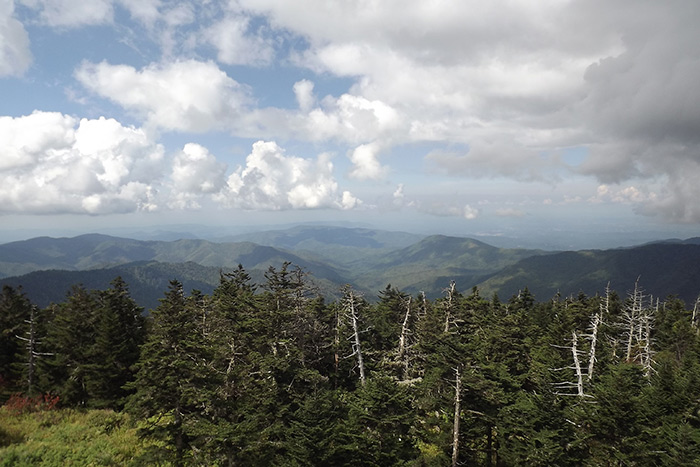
(19, 404)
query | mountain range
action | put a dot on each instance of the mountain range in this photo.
(368, 259)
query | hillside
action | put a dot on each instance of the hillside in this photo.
(662, 268)
(343, 247)
(367, 259)
(430, 264)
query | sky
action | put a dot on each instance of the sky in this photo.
(499, 118)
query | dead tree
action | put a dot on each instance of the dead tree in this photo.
(32, 344)
(350, 300)
(593, 336)
(631, 321)
(576, 385)
(455, 425)
(646, 325)
(450, 292)
(403, 340)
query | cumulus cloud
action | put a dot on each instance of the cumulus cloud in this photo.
(366, 166)
(55, 163)
(352, 118)
(236, 44)
(470, 212)
(196, 172)
(509, 84)
(15, 56)
(72, 13)
(146, 11)
(273, 180)
(186, 95)
(60, 164)
(515, 80)
(303, 90)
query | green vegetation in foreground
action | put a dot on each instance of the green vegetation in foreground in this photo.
(70, 437)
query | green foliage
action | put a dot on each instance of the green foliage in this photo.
(269, 375)
(70, 437)
(15, 310)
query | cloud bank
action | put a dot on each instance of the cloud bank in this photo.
(55, 163)
(500, 89)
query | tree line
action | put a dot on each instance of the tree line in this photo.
(273, 374)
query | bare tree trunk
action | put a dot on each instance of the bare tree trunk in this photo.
(357, 350)
(31, 346)
(455, 427)
(336, 342)
(646, 349)
(632, 317)
(448, 312)
(402, 354)
(577, 365)
(594, 340)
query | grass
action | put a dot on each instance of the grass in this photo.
(69, 437)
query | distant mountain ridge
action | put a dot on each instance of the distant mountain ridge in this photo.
(662, 269)
(367, 259)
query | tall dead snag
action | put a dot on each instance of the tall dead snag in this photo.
(450, 292)
(576, 385)
(631, 320)
(403, 350)
(593, 336)
(455, 425)
(646, 325)
(696, 314)
(596, 321)
(32, 344)
(637, 324)
(577, 365)
(350, 301)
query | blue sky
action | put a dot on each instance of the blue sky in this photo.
(504, 118)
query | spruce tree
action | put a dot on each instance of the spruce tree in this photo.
(69, 340)
(174, 377)
(15, 310)
(119, 332)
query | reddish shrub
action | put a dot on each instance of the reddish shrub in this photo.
(19, 404)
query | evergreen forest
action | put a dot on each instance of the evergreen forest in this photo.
(271, 373)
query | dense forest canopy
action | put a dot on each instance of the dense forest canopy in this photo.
(270, 373)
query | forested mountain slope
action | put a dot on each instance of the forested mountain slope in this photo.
(337, 245)
(663, 268)
(367, 259)
(267, 373)
(430, 264)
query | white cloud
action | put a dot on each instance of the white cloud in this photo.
(470, 212)
(146, 11)
(196, 172)
(399, 194)
(26, 140)
(501, 86)
(303, 90)
(516, 80)
(72, 13)
(272, 180)
(366, 166)
(355, 118)
(60, 164)
(186, 95)
(237, 44)
(15, 56)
